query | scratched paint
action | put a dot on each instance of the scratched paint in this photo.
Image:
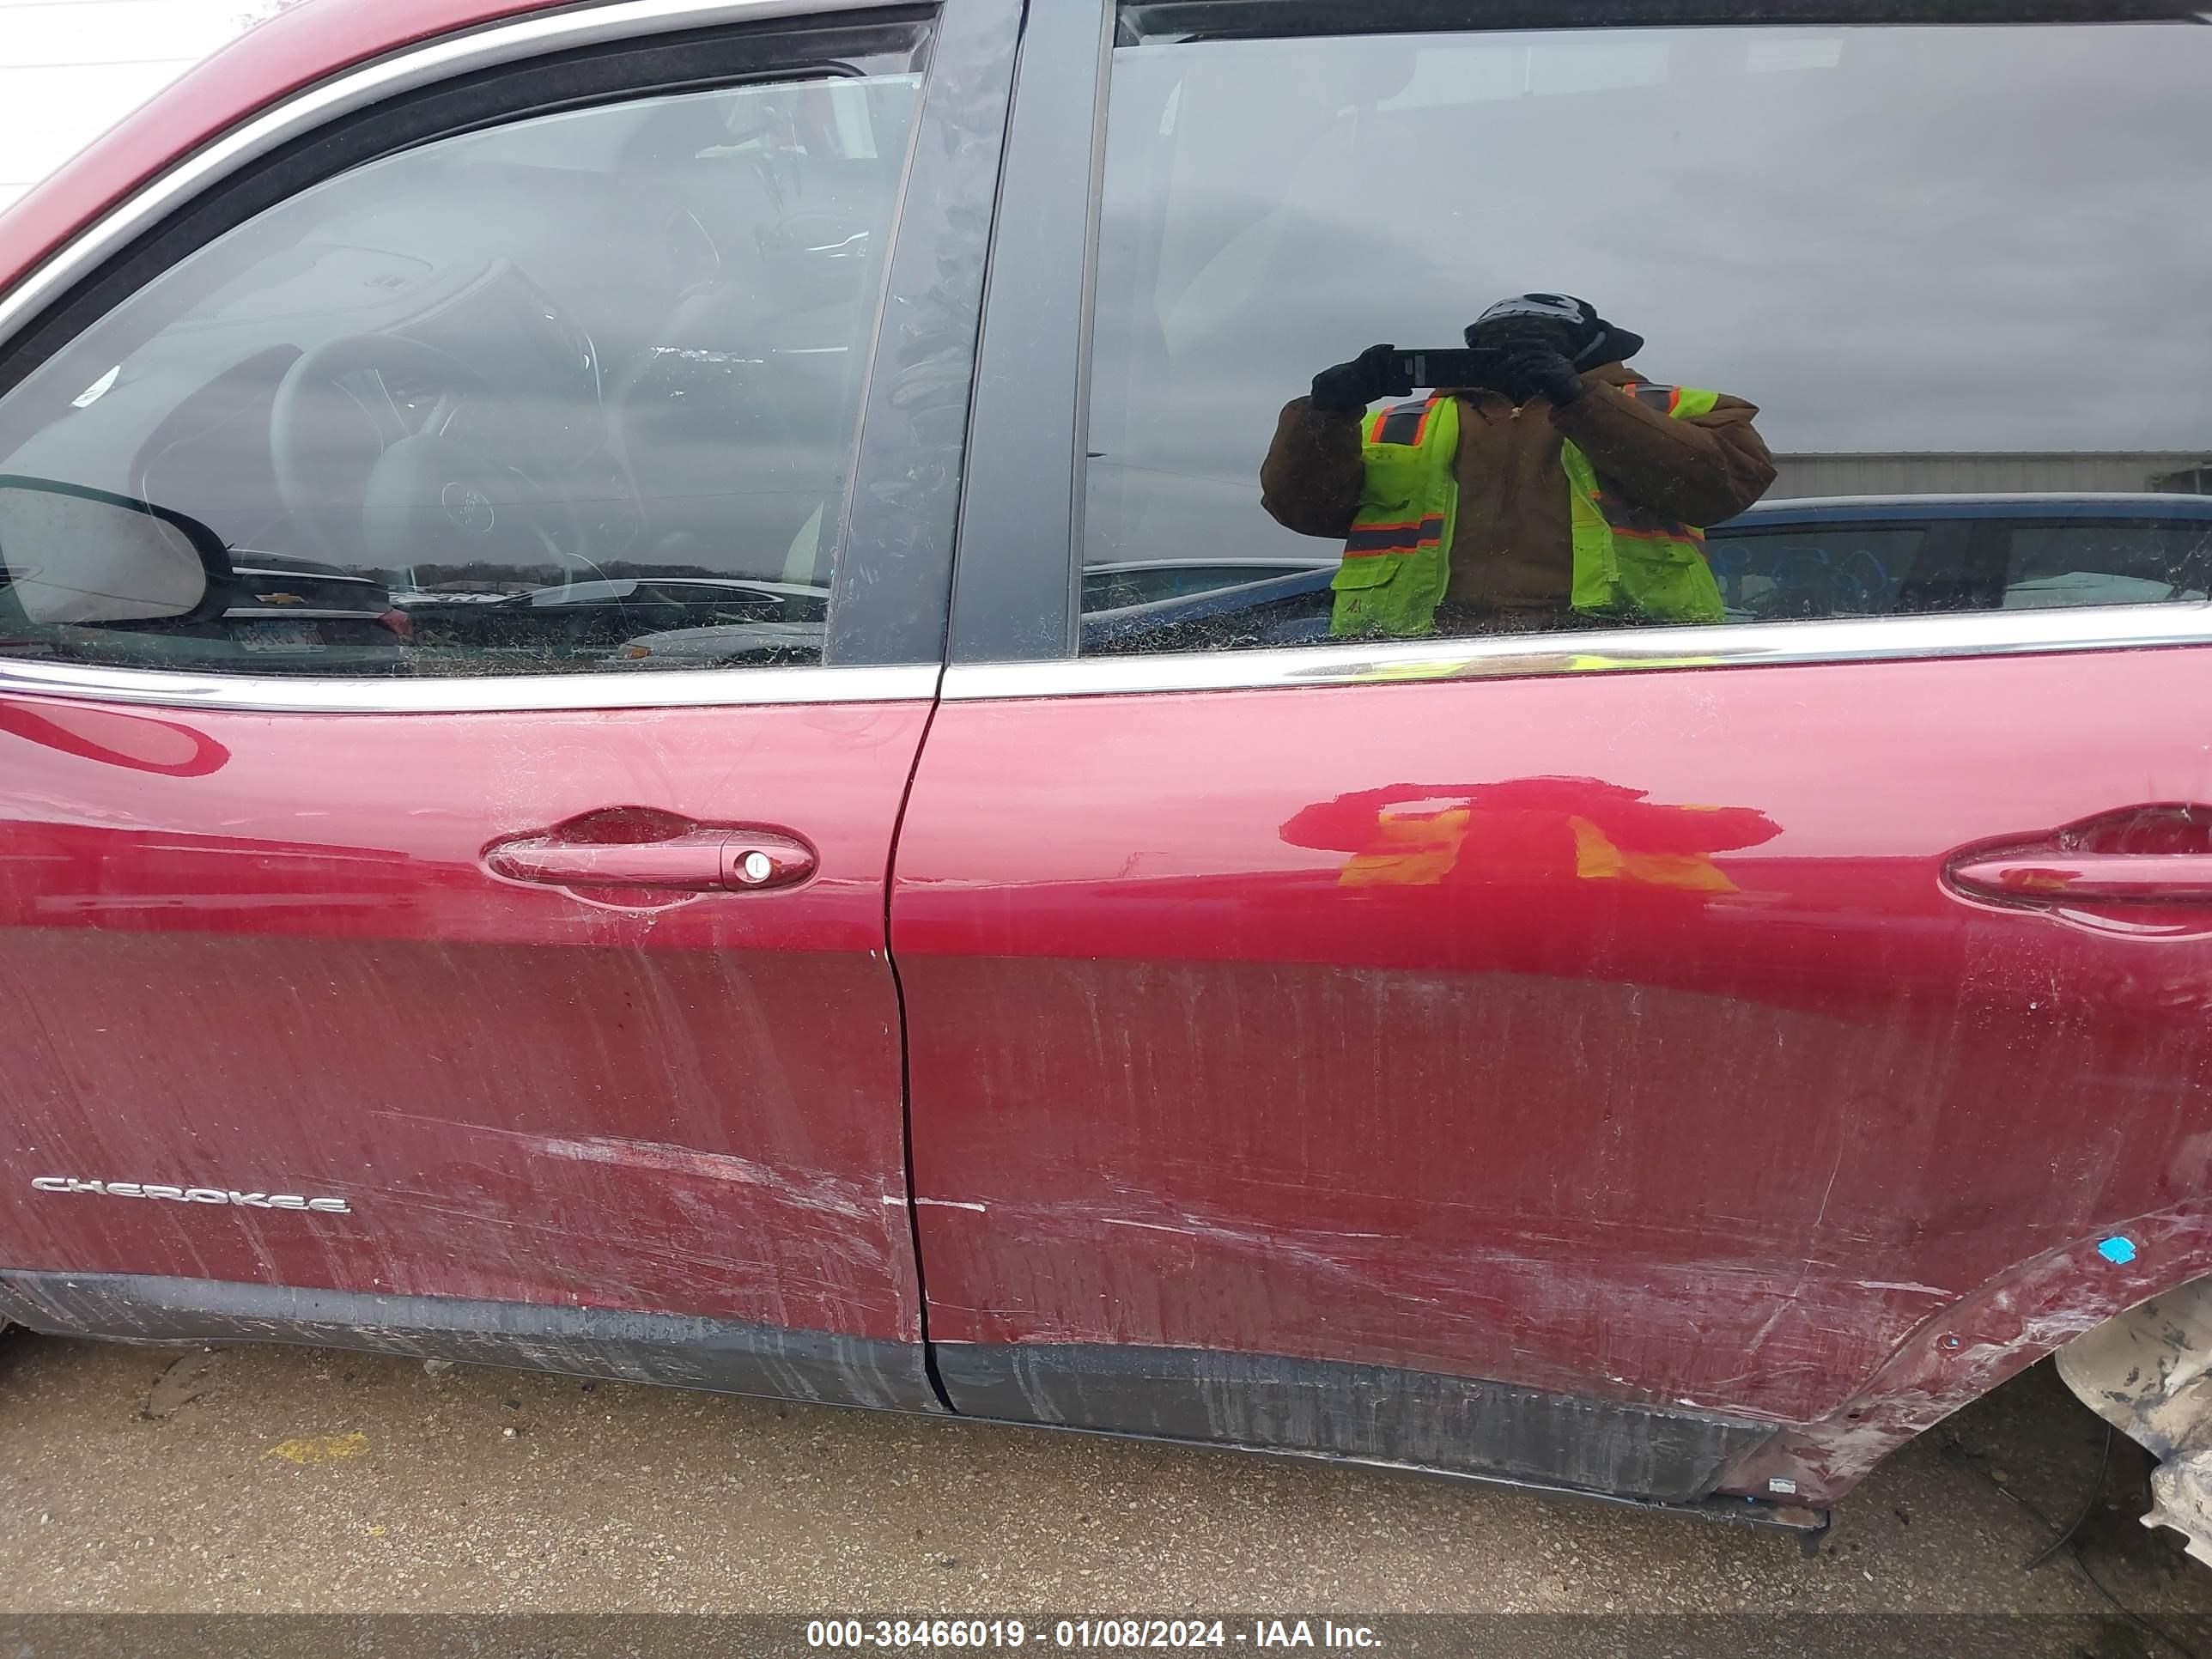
(1451, 1027)
(522, 1097)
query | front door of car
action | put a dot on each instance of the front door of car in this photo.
(1561, 1048)
(372, 972)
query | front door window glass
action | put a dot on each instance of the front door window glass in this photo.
(579, 393)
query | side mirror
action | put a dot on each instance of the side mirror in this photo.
(74, 556)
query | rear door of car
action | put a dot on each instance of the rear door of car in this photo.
(454, 990)
(1571, 1056)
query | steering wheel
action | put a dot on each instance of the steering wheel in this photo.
(430, 498)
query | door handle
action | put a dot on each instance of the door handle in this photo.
(2060, 878)
(695, 857)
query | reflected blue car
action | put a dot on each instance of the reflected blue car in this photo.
(1845, 555)
(1882, 555)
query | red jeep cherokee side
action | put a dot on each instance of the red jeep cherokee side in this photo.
(559, 807)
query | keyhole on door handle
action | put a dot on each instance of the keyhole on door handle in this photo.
(640, 857)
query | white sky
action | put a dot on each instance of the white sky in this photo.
(69, 69)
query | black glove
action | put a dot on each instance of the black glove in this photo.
(1539, 371)
(1348, 388)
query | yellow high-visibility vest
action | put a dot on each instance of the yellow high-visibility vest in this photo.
(1629, 565)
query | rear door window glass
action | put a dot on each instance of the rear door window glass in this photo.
(1815, 566)
(2091, 561)
(1831, 273)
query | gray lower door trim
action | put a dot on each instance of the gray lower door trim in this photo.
(1371, 1414)
(720, 1356)
(1333, 1412)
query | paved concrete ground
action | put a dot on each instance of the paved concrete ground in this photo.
(265, 1477)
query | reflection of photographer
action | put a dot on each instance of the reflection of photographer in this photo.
(1542, 481)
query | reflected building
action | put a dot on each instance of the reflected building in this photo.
(1996, 472)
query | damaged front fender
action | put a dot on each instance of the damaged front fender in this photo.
(2148, 1373)
(1962, 1351)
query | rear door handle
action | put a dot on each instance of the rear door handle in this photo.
(703, 859)
(2087, 878)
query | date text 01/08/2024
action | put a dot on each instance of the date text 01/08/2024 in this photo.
(1087, 1633)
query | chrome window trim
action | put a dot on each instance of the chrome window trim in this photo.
(683, 688)
(1522, 656)
(403, 71)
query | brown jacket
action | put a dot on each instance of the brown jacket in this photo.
(1512, 547)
